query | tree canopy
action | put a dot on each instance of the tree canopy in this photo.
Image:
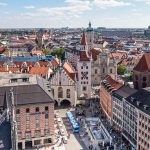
(121, 70)
(59, 52)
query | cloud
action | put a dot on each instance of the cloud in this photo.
(144, 1)
(3, 4)
(110, 3)
(29, 7)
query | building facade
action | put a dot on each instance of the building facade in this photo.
(108, 86)
(32, 107)
(63, 84)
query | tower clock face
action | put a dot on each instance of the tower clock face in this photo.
(84, 75)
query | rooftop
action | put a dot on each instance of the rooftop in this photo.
(124, 92)
(141, 100)
(144, 63)
(26, 94)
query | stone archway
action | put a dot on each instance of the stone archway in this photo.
(65, 103)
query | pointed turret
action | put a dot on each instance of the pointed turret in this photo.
(89, 24)
(83, 40)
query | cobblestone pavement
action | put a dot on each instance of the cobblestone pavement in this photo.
(77, 142)
(74, 142)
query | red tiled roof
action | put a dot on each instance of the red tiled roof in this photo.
(1, 63)
(9, 69)
(144, 63)
(2, 48)
(116, 84)
(43, 63)
(69, 69)
(95, 53)
(83, 40)
(55, 62)
(119, 55)
(83, 56)
(42, 71)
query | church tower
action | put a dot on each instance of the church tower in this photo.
(108, 64)
(90, 37)
(84, 70)
(84, 45)
(40, 39)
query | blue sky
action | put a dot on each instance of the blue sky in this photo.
(74, 13)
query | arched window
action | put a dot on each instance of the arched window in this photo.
(68, 93)
(60, 92)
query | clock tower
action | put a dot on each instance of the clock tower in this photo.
(84, 75)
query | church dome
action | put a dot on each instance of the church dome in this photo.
(89, 29)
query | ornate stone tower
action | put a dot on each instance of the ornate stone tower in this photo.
(90, 37)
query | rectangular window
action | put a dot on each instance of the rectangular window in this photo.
(95, 71)
(111, 70)
(18, 125)
(28, 135)
(46, 123)
(27, 110)
(19, 135)
(103, 70)
(27, 117)
(18, 118)
(46, 108)
(46, 131)
(37, 109)
(84, 88)
(18, 111)
(37, 124)
(27, 124)
(37, 133)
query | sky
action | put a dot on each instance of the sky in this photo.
(74, 13)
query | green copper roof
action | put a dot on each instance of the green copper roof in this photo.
(89, 29)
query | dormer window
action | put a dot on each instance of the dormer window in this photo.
(25, 79)
(145, 107)
(138, 103)
(132, 99)
(13, 80)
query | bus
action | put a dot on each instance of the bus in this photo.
(74, 123)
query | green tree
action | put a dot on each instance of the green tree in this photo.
(59, 52)
(121, 70)
(46, 51)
